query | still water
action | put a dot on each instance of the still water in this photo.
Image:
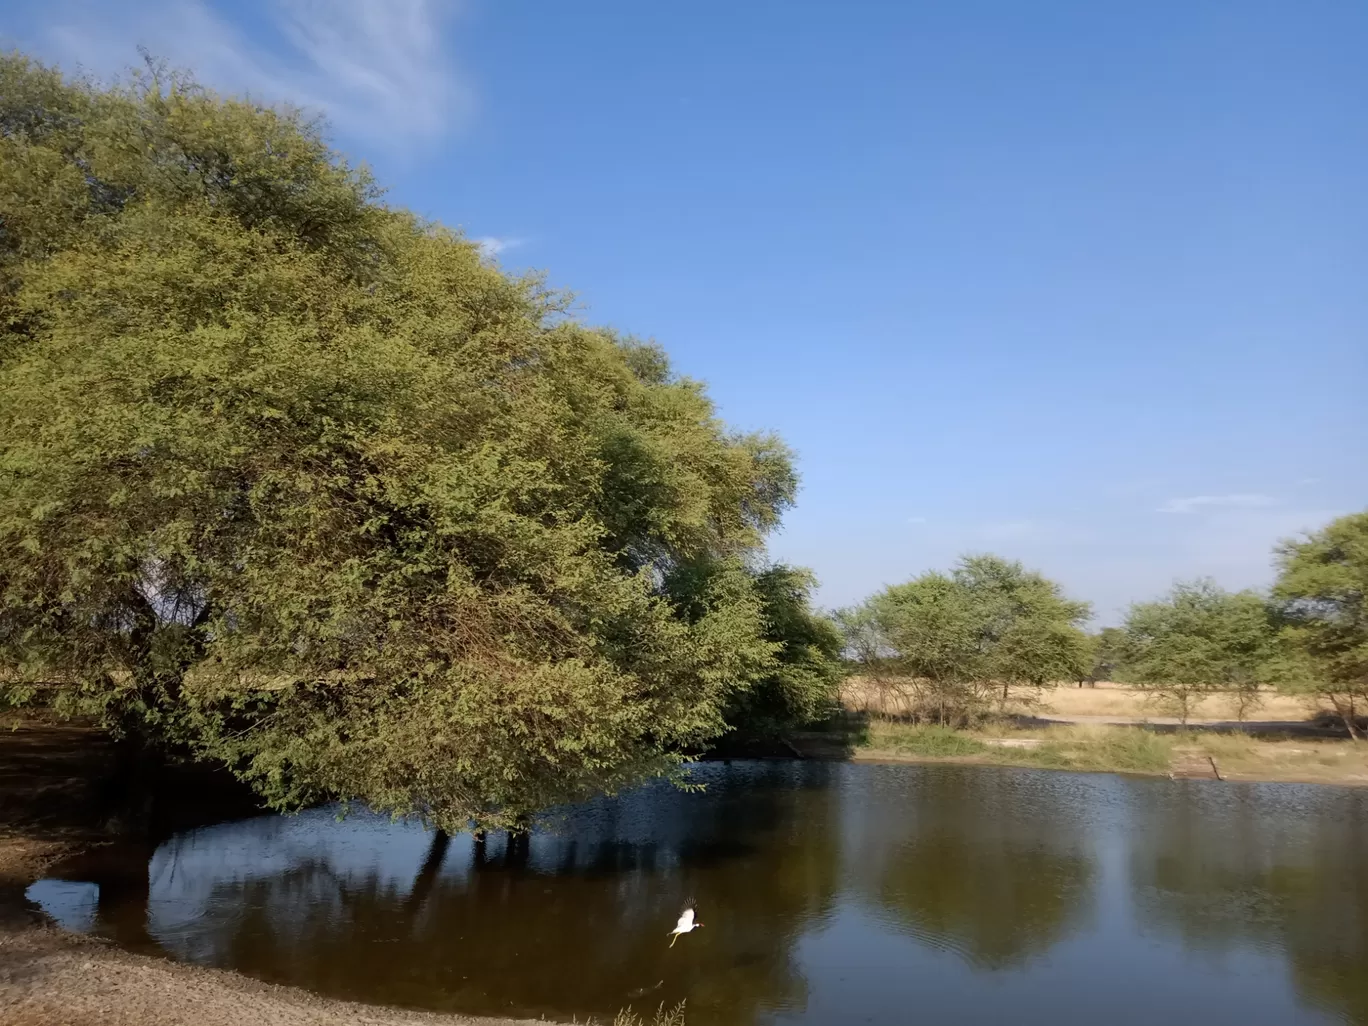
(830, 894)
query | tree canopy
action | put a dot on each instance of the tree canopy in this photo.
(984, 630)
(293, 478)
(1323, 616)
(1198, 640)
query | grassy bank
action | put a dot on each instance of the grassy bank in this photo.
(1123, 749)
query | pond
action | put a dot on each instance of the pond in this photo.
(830, 893)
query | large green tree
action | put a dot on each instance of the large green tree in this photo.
(297, 480)
(1199, 640)
(988, 629)
(1323, 614)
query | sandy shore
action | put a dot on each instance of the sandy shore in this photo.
(51, 978)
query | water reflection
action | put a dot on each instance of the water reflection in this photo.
(575, 919)
(830, 894)
(995, 866)
(1279, 868)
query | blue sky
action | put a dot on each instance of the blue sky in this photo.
(1079, 283)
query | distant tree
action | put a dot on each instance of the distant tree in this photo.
(1030, 634)
(986, 631)
(1197, 641)
(295, 480)
(934, 627)
(866, 651)
(1104, 656)
(1323, 614)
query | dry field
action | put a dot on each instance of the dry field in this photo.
(1105, 700)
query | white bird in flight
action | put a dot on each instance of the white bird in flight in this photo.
(686, 924)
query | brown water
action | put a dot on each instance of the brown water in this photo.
(830, 893)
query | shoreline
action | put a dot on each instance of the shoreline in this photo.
(50, 976)
(892, 758)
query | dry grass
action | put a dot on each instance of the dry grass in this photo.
(1313, 761)
(1120, 701)
(1107, 700)
(663, 1017)
(1123, 749)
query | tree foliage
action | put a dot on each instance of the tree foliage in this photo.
(1105, 655)
(1323, 616)
(298, 480)
(804, 682)
(986, 630)
(1198, 640)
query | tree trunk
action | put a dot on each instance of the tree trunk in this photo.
(129, 799)
(1348, 716)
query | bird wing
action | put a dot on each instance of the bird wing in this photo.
(686, 919)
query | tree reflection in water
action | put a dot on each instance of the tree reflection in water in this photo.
(570, 921)
(987, 863)
(1269, 866)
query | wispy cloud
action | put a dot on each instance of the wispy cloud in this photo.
(916, 520)
(1194, 503)
(374, 68)
(492, 245)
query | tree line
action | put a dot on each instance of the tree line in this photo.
(296, 482)
(953, 645)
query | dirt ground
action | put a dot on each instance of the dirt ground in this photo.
(49, 809)
(51, 978)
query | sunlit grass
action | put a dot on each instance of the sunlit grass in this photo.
(922, 739)
(1118, 750)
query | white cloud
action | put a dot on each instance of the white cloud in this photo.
(492, 245)
(374, 68)
(1193, 503)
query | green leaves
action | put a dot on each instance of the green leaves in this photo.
(1323, 615)
(406, 534)
(1199, 640)
(980, 632)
